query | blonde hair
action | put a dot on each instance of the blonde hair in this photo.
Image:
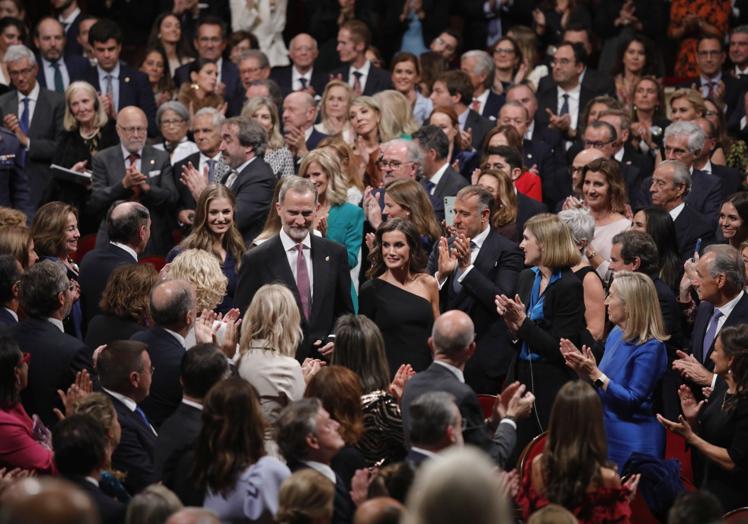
(305, 496)
(68, 120)
(396, 116)
(348, 160)
(275, 138)
(274, 317)
(16, 240)
(12, 217)
(557, 243)
(693, 97)
(100, 407)
(643, 314)
(201, 269)
(330, 85)
(337, 188)
(506, 199)
(371, 103)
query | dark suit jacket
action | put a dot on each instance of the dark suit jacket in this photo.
(253, 190)
(186, 200)
(493, 105)
(705, 197)
(136, 450)
(108, 172)
(105, 328)
(166, 356)
(416, 458)
(596, 82)
(548, 99)
(734, 90)
(314, 139)
(526, 209)
(495, 272)
(479, 127)
(704, 313)
(377, 80)
(6, 319)
(689, 227)
(134, 90)
(72, 47)
(538, 153)
(45, 130)
(331, 294)
(95, 270)
(55, 358)
(15, 190)
(438, 378)
(77, 67)
(283, 76)
(731, 179)
(234, 90)
(449, 184)
(111, 511)
(176, 436)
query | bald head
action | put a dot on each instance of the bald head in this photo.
(193, 516)
(132, 128)
(173, 305)
(452, 336)
(583, 158)
(47, 501)
(379, 510)
(299, 110)
(129, 223)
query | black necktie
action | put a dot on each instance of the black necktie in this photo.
(564, 106)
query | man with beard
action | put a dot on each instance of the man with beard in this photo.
(56, 71)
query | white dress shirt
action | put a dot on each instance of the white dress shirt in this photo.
(364, 70)
(127, 248)
(324, 469)
(12, 313)
(289, 246)
(57, 323)
(675, 212)
(33, 97)
(296, 77)
(573, 103)
(438, 176)
(457, 372)
(115, 84)
(49, 73)
(68, 21)
(483, 98)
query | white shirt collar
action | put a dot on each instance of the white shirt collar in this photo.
(324, 469)
(481, 237)
(126, 153)
(57, 323)
(739, 71)
(205, 158)
(422, 451)
(296, 74)
(71, 17)
(439, 173)
(483, 97)
(573, 93)
(127, 401)
(726, 309)
(12, 313)
(289, 243)
(364, 69)
(114, 72)
(462, 118)
(192, 403)
(33, 95)
(92, 481)
(455, 371)
(675, 212)
(530, 129)
(244, 165)
(619, 155)
(176, 335)
(706, 168)
(127, 248)
(705, 81)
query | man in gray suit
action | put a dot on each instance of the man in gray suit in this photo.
(133, 171)
(34, 115)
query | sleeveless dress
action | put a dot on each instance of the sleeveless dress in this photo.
(405, 320)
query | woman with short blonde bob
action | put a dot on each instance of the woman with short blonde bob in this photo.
(634, 362)
(549, 306)
(686, 104)
(271, 334)
(501, 186)
(201, 269)
(397, 117)
(262, 109)
(306, 497)
(334, 111)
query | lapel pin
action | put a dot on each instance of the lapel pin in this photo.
(327, 258)
(529, 155)
(127, 79)
(153, 161)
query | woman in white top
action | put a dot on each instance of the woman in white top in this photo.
(173, 120)
(334, 111)
(266, 19)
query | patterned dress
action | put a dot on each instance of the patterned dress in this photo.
(714, 12)
(383, 429)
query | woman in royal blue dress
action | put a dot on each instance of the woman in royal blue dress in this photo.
(634, 361)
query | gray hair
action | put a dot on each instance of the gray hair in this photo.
(173, 105)
(485, 199)
(516, 104)
(728, 262)
(580, 222)
(40, 285)
(450, 339)
(295, 422)
(261, 57)
(681, 174)
(124, 228)
(483, 64)
(17, 52)
(296, 184)
(691, 130)
(430, 415)
(251, 134)
(413, 152)
(218, 118)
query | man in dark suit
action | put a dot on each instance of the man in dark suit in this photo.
(119, 84)
(15, 191)
(299, 114)
(34, 115)
(173, 312)
(301, 74)
(471, 270)
(354, 38)
(453, 344)
(10, 276)
(453, 89)
(730, 177)
(721, 277)
(210, 42)
(47, 297)
(243, 143)
(670, 184)
(125, 371)
(129, 229)
(134, 171)
(56, 70)
(435, 424)
(439, 179)
(479, 66)
(320, 281)
(201, 368)
(69, 15)
(80, 443)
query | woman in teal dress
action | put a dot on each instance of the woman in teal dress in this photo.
(634, 362)
(336, 219)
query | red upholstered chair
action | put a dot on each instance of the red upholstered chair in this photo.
(676, 448)
(486, 404)
(735, 516)
(532, 450)
(157, 262)
(86, 243)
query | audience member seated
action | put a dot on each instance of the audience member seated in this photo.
(715, 429)
(462, 157)
(354, 38)
(694, 507)
(305, 496)
(238, 42)
(435, 425)
(730, 177)
(573, 470)
(733, 219)
(253, 65)
(301, 74)
(48, 500)
(23, 444)
(167, 34)
(243, 484)
(202, 89)
(10, 289)
(299, 114)
(47, 298)
(453, 89)
(173, 120)
(334, 111)
(124, 305)
(155, 67)
(153, 505)
(129, 229)
(57, 69)
(406, 74)
(277, 155)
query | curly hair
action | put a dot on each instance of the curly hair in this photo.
(127, 292)
(48, 228)
(201, 269)
(418, 257)
(12, 217)
(340, 391)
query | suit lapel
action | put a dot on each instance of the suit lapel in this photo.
(321, 271)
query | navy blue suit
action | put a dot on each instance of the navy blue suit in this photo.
(72, 47)
(234, 90)
(6, 319)
(15, 190)
(731, 179)
(283, 76)
(739, 315)
(314, 139)
(705, 197)
(689, 227)
(493, 105)
(77, 67)
(95, 270)
(377, 80)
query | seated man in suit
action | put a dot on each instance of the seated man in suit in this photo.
(243, 143)
(47, 297)
(313, 268)
(173, 312)
(524, 93)
(125, 371)
(132, 170)
(401, 160)
(34, 115)
(719, 280)
(452, 341)
(471, 270)
(253, 65)
(81, 452)
(730, 177)
(300, 75)
(119, 84)
(56, 70)
(354, 38)
(299, 114)
(453, 89)
(435, 424)
(129, 229)
(671, 183)
(10, 277)
(201, 368)
(439, 179)
(479, 66)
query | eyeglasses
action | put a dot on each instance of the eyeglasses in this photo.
(597, 144)
(133, 129)
(175, 122)
(21, 72)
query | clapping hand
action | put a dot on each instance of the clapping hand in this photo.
(682, 427)
(311, 367)
(515, 402)
(193, 180)
(562, 123)
(78, 390)
(688, 402)
(513, 311)
(404, 373)
(461, 250)
(583, 362)
(692, 369)
(447, 260)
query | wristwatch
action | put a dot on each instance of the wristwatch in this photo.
(599, 382)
